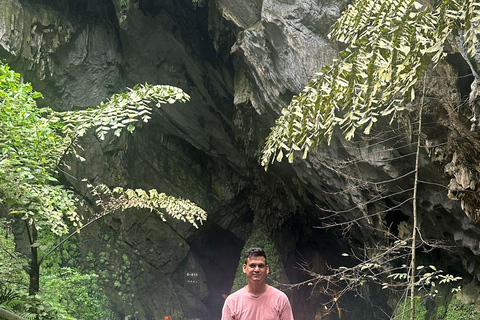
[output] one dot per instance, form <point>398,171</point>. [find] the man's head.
<point>255,267</point>
<point>255,252</point>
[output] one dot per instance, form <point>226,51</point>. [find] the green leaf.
<point>130,128</point>
<point>280,156</point>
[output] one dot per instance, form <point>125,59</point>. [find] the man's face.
<point>256,269</point>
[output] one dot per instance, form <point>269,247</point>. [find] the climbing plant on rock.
<point>389,45</point>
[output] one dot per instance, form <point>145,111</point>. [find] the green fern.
<point>29,316</point>
<point>10,300</point>
<point>7,296</point>
<point>390,44</point>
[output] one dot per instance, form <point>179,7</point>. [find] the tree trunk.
<point>415,189</point>
<point>34,285</point>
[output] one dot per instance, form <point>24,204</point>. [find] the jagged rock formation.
<point>241,62</point>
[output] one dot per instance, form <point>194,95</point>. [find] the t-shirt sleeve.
<point>227,313</point>
<point>286,311</point>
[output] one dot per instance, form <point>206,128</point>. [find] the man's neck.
<point>257,289</point>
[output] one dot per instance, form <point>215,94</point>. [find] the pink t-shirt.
<point>273,304</point>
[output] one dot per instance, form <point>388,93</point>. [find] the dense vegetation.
<point>35,144</point>
<point>67,291</point>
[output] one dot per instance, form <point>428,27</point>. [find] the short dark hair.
<point>255,252</point>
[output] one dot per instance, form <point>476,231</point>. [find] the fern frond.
<point>120,199</point>
<point>7,295</point>
<point>29,316</point>
<point>12,302</point>
<point>121,110</point>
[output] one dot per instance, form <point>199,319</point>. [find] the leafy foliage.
<point>123,199</point>
<point>12,264</point>
<point>8,298</point>
<point>30,149</point>
<point>458,310</point>
<point>120,111</point>
<point>403,310</point>
<point>13,280</point>
<point>74,295</point>
<point>66,293</point>
<point>427,278</point>
<point>454,310</point>
<point>390,44</point>
<point>33,143</point>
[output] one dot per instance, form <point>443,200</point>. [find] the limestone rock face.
<point>241,61</point>
<point>275,35</point>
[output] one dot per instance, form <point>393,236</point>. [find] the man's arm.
<point>227,313</point>
<point>286,312</point>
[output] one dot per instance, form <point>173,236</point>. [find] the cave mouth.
<point>394,217</point>
<point>218,252</point>
<point>465,76</point>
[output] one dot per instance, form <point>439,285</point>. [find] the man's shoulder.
<point>239,292</point>
<point>277,292</point>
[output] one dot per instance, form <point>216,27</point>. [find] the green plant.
<point>12,264</point>
<point>125,3</point>
<point>458,310</point>
<point>34,142</point>
<point>75,295</point>
<point>427,278</point>
<point>124,7</point>
<point>9,299</point>
<point>389,45</point>
<point>123,199</point>
<point>454,310</point>
<point>65,292</point>
<point>403,310</point>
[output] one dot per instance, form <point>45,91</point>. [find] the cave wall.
<point>241,62</point>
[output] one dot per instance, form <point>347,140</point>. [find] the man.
<point>257,300</point>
